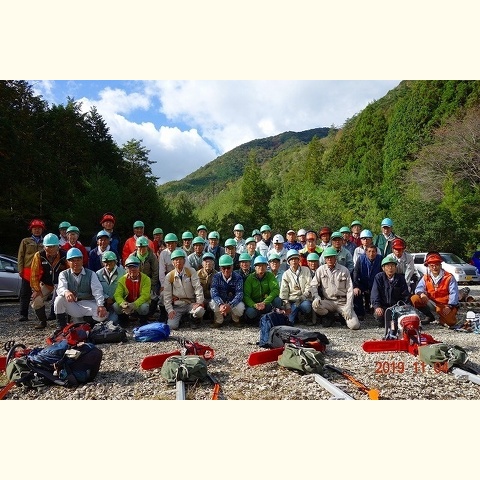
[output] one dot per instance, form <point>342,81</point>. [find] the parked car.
<point>10,281</point>
<point>459,268</point>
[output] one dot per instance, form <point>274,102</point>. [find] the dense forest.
<point>412,155</point>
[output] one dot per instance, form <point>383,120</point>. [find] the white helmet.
<point>278,238</point>
<point>302,231</point>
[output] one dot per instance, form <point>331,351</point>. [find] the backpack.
<point>187,368</point>
<point>301,359</point>
<point>152,332</point>
<point>267,321</point>
<point>72,332</point>
<point>280,335</point>
<point>107,332</point>
<point>442,356</point>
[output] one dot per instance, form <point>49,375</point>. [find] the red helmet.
<point>107,216</point>
<point>399,243</point>
<point>36,223</point>
<point>433,257</point>
<point>324,231</point>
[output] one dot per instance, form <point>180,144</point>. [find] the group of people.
<point>322,275</point>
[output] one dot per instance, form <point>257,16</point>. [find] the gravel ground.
<point>396,375</point>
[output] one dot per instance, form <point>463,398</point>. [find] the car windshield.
<point>451,258</point>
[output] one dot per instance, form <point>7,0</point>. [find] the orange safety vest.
<point>439,293</point>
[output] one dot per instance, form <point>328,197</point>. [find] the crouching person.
<point>79,293</point>
<point>132,294</point>
<point>182,293</point>
<point>332,290</point>
<point>109,276</point>
<point>227,293</point>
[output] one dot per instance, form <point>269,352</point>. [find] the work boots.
<point>61,320</point>
<point>42,316</point>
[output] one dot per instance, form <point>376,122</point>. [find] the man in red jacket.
<point>130,245</point>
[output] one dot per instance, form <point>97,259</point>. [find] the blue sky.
<point>186,124</point>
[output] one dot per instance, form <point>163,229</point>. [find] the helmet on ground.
<point>208,256</point>
<point>336,235</point>
<point>325,231</point>
<point>141,242</point>
<point>313,257</point>
<point>108,256</point>
<point>36,223</point>
<point>50,240</point>
<point>292,253</point>
<point>107,217</point>
<point>187,236</point>
<point>250,240</point>
<point>198,240</point>
<point>344,230</point>
<point>132,260</point>
<point>157,231</point>
<point>64,225</point>
<point>256,232</point>
<point>74,253</point>
<point>356,222</point>
<point>214,234</point>
<point>244,257</point>
<point>177,253</point>
<point>387,222</point>
<point>278,238</point>
<point>301,232</point>
<point>389,259</point>
<point>273,256</point>
<point>366,234</point>
<point>265,228</point>
<point>201,227</point>
<point>330,252</point>
<point>103,233</point>
<point>260,260</point>
<point>398,244</point>
<point>170,237</point>
<point>225,261</point>
<point>138,224</point>
<point>238,227</point>
<point>433,257</point>
<point>230,242</point>
<point>73,229</point>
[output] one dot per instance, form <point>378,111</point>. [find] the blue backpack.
<point>152,332</point>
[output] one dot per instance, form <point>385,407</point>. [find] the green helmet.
<point>225,261</point>
<point>344,230</point>
<point>255,232</point>
<point>356,222</point>
<point>265,228</point>
<point>132,260</point>
<point>273,256</point>
<point>141,242</point>
<point>187,236</point>
<point>250,240</point>
<point>73,229</point>
<point>208,255</point>
<point>170,237</point>
<point>74,253</point>
<point>238,227</point>
<point>330,252</point>
<point>336,235</point>
<point>230,242</point>
<point>197,240</point>
<point>50,240</point>
<point>177,253</point>
<point>244,257</point>
<point>138,224</point>
<point>157,231</point>
<point>313,257</point>
<point>214,234</point>
<point>108,256</point>
<point>64,225</point>
<point>201,227</point>
<point>292,253</point>
<point>389,259</point>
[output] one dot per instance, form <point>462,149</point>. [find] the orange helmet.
<point>433,257</point>
<point>325,230</point>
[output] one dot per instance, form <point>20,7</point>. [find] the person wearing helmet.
<point>79,293</point>
<point>214,247</point>
<point>332,291</point>
<point>405,263</point>
<point>347,243</point>
<point>295,289</point>
<point>62,233</point>
<point>109,276</point>
<point>46,266</point>
<point>311,247</point>
<point>73,233</point>
<point>367,266</point>
<point>202,232</point>
<point>187,238</point>
<point>205,275</point>
<point>251,248</point>
<point>246,265</point>
<point>437,291</point>
<point>292,243</point>
<point>265,244</point>
<point>344,257</point>
<point>183,293</point>
<point>356,228</point>
<point>131,243</point>
<point>389,288</point>
<point>107,222</point>
<point>103,245</point>
<point>324,234</point>
<point>26,251</point>
<point>238,234</point>
<point>301,237</point>
<point>313,262</point>
<point>132,295</point>
<point>260,291</point>
<point>196,257</point>
<point>165,264</point>
<point>384,239</point>
<point>256,235</point>
<point>280,250</point>
<point>274,265</point>
<point>227,293</point>
<point>366,238</point>
<point>158,242</point>
<point>231,250</point>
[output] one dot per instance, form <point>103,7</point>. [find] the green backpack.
<point>302,359</point>
<point>441,354</point>
<point>187,368</point>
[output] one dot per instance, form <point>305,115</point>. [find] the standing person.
<point>347,243</point>
<point>183,293</point>
<point>251,245</point>
<point>384,240</point>
<point>28,247</point>
<point>332,290</point>
<point>246,268</point>
<point>195,259</point>
<point>79,293</point>
<point>356,228</point>
<point>238,234</point>
<point>265,244</point>
<point>256,235</point>
<point>366,237</point>
<point>62,233</point>
<point>109,275</point>
<point>324,234</point>
<point>214,248</point>
<point>280,250</point>
<point>389,287</point>
<point>301,237</point>
<point>132,295</point>
<point>344,257</point>
<point>205,275</point>
<point>45,268</point>
<point>260,291</point>
<point>227,293</point>
<point>311,247</point>
<point>103,245</point>
<point>72,242</point>
<point>158,242</point>
<point>437,291</point>
<point>405,262</point>
<point>187,238</point>
<point>108,223</point>
<point>292,243</point>
<point>165,264</point>
<point>231,250</point>
<point>131,244</point>
<point>295,288</point>
<point>202,231</point>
